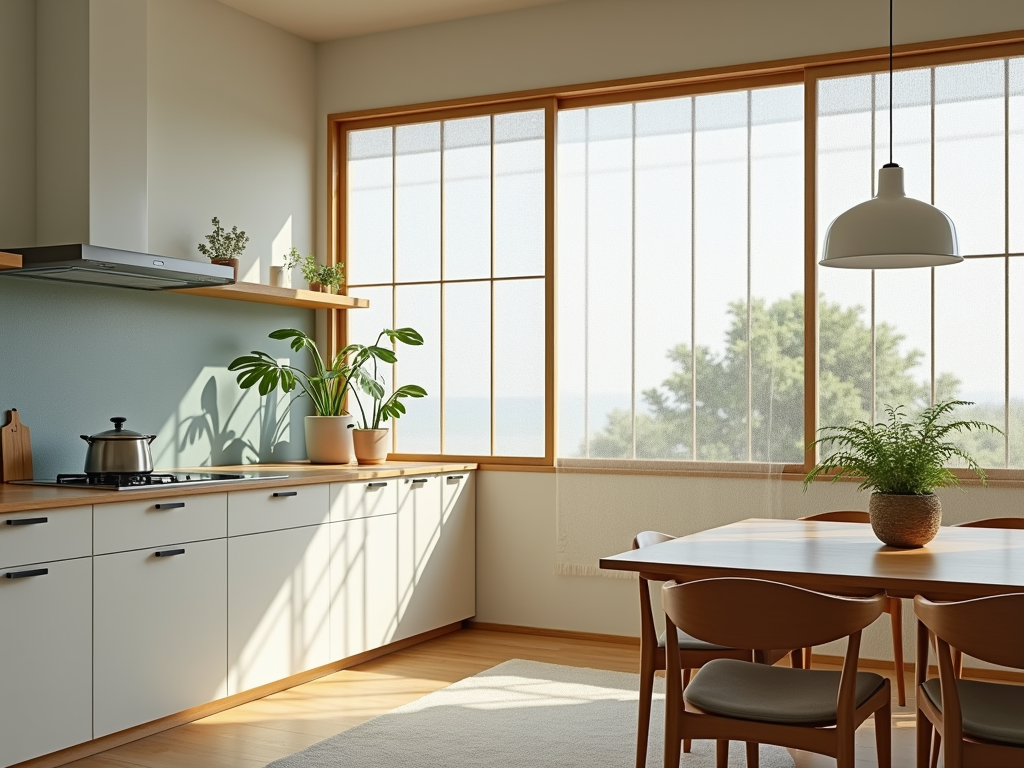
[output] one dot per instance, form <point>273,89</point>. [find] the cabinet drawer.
<point>45,658</point>
<point>366,498</point>
<point>129,525</point>
<point>49,534</point>
<point>274,509</point>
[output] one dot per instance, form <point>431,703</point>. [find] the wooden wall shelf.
<point>10,260</point>
<point>286,297</point>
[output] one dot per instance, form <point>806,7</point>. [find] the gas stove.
<point>129,482</point>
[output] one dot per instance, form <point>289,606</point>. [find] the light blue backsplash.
<point>73,356</point>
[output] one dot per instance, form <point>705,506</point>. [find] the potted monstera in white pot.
<point>901,461</point>
<point>329,432</point>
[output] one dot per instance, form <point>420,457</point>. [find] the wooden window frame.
<point>804,70</point>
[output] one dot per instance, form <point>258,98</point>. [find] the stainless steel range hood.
<point>96,265</point>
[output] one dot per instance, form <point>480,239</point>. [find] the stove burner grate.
<point>119,480</point>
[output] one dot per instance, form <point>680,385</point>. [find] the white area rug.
<point>521,713</point>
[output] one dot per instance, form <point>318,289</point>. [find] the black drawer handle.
<point>27,574</point>
<point>29,521</point>
<point>456,478</point>
<point>171,505</point>
<point>376,485</point>
<point>419,481</point>
<point>169,552</point>
<point>282,494</point>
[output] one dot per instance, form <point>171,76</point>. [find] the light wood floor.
<point>252,735</point>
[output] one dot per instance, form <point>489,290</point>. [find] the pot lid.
<point>119,432</point>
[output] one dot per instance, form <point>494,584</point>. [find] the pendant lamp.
<point>891,230</point>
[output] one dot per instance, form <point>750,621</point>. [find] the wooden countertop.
<point>23,498</point>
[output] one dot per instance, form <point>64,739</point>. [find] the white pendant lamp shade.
<point>891,231</point>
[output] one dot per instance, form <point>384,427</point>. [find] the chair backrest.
<point>648,632</point>
<point>755,614</point>
<point>995,522</point>
<point>844,516</point>
<point>987,628</point>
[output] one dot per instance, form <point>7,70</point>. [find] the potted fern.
<point>902,461</point>
<point>223,247</point>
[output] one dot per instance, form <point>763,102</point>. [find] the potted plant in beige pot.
<point>329,432</point>
<point>902,461</point>
<point>372,439</point>
<point>223,247</point>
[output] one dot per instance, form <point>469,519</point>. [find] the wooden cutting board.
<point>15,450</point>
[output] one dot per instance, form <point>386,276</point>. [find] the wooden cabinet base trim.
<point>569,635</point>
<point>104,743</point>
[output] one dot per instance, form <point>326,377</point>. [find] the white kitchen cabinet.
<point>45,535</point>
<point>274,509</point>
<point>45,658</point>
<point>159,632</point>
<point>132,524</point>
<point>364,498</point>
<point>278,604</point>
<point>364,584</point>
<point>436,552</point>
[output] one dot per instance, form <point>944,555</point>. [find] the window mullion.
<point>632,286</point>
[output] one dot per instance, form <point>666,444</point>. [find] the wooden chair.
<point>815,710</point>
<point>693,653</point>
<point>981,724</point>
<point>893,605</point>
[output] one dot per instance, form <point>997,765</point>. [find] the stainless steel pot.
<point>118,451</point>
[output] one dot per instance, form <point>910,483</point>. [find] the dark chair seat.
<point>767,694</point>
<point>689,643</point>
<point>992,712</point>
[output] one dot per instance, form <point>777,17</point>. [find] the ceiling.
<point>321,20</point>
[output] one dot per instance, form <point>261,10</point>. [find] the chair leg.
<point>686,682</point>
<point>721,754</point>
<point>807,658</point>
<point>883,735</point>
<point>796,658</point>
<point>643,726</point>
<point>936,750</point>
<point>924,740</point>
<point>896,618</point>
<point>753,755</point>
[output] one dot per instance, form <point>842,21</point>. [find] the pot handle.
<point>150,438</point>
<point>86,438</point>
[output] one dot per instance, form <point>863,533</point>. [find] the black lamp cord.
<point>890,164</point>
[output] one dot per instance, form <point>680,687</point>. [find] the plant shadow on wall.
<point>776,390</point>
<point>227,446</point>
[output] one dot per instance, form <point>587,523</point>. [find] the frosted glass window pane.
<point>1016,159</point>
<point>903,339</point>
<point>777,274</point>
<point>467,198</point>
<point>419,307</point>
<point>844,347</point>
<point>467,377</point>
<point>519,368</point>
<point>970,159</point>
<point>418,202</point>
<point>519,194</point>
<point>844,165</point>
<point>970,348</point>
<point>369,207</point>
<point>663,280</point>
<point>720,273</point>
<point>609,257</point>
<point>912,128</point>
<point>572,241</point>
<point>1015,428</point>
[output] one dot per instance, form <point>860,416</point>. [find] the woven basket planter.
<point>905,521</point>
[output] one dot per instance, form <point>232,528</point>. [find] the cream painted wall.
<point>231,131</point>
<point>18,126</point>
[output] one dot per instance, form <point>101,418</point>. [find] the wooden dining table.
<point>839,558</point>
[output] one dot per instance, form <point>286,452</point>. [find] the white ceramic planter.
<point>371,445</point>
<point>280,277</point>
<point>329,439</point>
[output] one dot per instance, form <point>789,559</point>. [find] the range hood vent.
<point>95,265</point>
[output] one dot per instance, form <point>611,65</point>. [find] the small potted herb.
<point>223,247</point>
<point>311,272</point>
<point>330,278</point>
<point>902,461</point>
<point>292,259</point>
